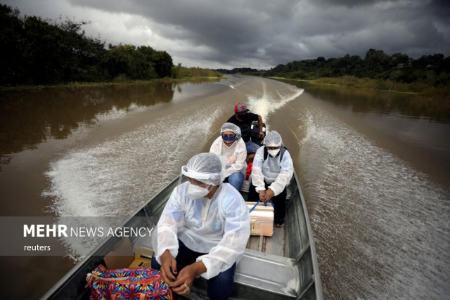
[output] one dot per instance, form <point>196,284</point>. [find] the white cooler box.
<point>261,219</point>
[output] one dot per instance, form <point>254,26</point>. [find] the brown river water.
<point>374,168</point>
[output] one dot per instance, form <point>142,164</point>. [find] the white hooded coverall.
<point>219,227</point>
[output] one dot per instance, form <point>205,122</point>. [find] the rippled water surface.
<point>375,172</point>
<point>374,168</point>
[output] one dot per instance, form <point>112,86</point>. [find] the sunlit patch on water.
<point>118,176</point>
<point>382,228</point>
<point>116,113</point>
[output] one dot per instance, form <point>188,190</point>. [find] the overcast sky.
<point>258,33</point>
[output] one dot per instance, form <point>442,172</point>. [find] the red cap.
<point>240,107</point>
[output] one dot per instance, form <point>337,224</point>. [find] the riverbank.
<point>109,83</point>
<point>375,84</point>
<point>432,106</point>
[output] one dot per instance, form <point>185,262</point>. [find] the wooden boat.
<point>283,266</point>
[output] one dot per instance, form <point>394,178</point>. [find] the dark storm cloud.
<point>263,33</point>
<point>233,30</point>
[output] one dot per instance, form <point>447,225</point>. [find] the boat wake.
<point>118,176</point>
<point>381,227</point>
<point>266,104</point>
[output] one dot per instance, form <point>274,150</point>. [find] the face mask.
<point>196,192</point>
<point>273,153</point>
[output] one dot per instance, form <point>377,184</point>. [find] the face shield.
<point>202,172</point>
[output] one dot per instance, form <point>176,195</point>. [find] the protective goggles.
<point>228,137</point>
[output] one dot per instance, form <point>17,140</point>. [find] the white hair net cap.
<point>273,139</point>
<point>231,127</point>
<point>204,167</point>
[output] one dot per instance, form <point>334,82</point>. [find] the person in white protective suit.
<point>203,230</point>
<point>272,171</point>
<point>232,150</point>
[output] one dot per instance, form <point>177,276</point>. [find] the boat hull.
<point>291,273</point>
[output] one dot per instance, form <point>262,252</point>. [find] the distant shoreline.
<point>373,84</point>
<point>85,84</point>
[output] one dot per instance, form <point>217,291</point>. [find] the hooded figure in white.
<point>271,173</point>
<point>274,170</point>
<point>209,217</point>
<point>230,147</point>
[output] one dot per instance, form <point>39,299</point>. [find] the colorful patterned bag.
<point>121,284</point>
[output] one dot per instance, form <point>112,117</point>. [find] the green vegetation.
<point>38,52</point>
<point>376,70</point>
<point>184,72</point>
<point>246,71</point>
<point>130,62</point>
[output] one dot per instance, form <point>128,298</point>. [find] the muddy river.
<point>374,168</point>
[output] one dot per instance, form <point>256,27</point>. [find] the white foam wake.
<point>266,104</point>
<point>382,227</point>
<point>118,176</point>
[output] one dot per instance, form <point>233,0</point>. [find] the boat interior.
<point>276,267</point>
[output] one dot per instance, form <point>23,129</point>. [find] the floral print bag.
<point>121,284</point>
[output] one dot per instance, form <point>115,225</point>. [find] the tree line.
<point>430,69</point>
<point>37,51</point>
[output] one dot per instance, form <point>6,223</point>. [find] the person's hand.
<point>262,196</point>
<point>269,194</point>
<point>168,267</point>
<point>185,279</point>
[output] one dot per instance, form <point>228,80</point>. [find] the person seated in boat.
<point>203,230</point>
<point>230,147</point>
<point>272,171</point>
<point>245,119</point>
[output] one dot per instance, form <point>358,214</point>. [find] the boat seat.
<point>274,245</point>
<point>272,273</point>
